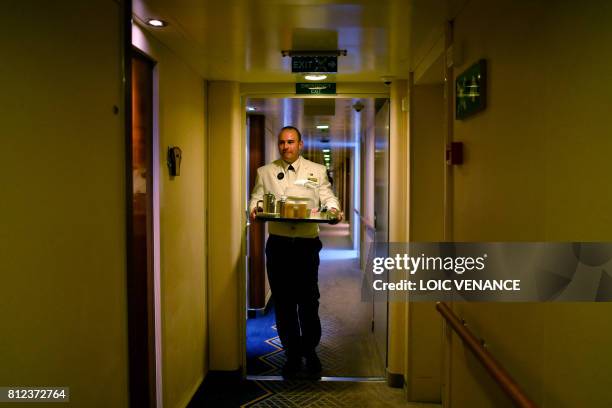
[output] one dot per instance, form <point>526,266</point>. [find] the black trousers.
<point>293,273</point>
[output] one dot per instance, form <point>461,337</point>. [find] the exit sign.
<point>314,64</point>
<point>316,88</point>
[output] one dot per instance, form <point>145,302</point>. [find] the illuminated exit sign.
<point>314,64</point>
<point>320,88</point>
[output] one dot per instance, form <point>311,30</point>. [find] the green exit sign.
<point>317,88</point>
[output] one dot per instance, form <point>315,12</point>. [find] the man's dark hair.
<point>292,128</point>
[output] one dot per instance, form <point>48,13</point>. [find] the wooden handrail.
<point>499,374</point>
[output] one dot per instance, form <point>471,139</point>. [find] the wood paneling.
<point>257,270</point>
<point>140,241</point>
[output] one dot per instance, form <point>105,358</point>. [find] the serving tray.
<point>277,218</point>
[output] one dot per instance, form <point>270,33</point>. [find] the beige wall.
<point>427,163</point>
<point>182,122</point>
<point>424,353</point>
<point>537,168</point>
<point>227,215</point>
<point>62,236</point>
<point>399,210</point>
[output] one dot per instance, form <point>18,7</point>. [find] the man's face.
<point>288,145</point>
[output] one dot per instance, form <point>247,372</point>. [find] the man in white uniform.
<point>292,252</point>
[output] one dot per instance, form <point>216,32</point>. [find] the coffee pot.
<point>268,204</point>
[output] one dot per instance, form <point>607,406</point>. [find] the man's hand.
<point>254,214</point>
<point>334,215</point>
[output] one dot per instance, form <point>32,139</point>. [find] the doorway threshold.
<point>331,379</point>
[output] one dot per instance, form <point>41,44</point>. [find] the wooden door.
<point>141,335</point>
<point>257,269</point>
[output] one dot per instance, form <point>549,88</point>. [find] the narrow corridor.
<point>447,121</point>
<point>347,348</point>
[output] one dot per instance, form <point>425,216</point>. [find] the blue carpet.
<point>261,339</point>
<point>228,389</point>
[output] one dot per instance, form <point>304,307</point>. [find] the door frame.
<point>281,91</point>
<point>150,334</point>
<point>449,92</point>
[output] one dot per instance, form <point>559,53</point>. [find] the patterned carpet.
<point>307,394</point>
<point>267,360</point>
<point>227,393</point>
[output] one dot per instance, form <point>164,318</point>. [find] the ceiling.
<point>241,40</point>
<point>307,114</point>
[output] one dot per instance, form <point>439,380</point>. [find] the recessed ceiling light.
<point>251,108</point>
<point>153,22</point>
<point>313,77</point>
<point>325,150</point>
<point>322,126</point>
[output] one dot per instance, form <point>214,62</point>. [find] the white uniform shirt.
<point>267,182</point>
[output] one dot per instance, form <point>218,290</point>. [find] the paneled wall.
<point>537,169</point>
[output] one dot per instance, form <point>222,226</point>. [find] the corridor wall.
<point>399,211</point>
<point>62,236</point>
<point>536,169</point>
<point>227,215</point>
<point>182,122</point>
<point>424,338</point>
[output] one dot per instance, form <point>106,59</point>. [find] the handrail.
<point>499,374</point>
<point>368,224</point>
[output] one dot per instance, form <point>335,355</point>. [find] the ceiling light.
<point>313,77</point>
<point>325,150</point>
<point>326,155</point>
<point>251,108</point>
<point>322,126</point>
<point>156,23</point>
